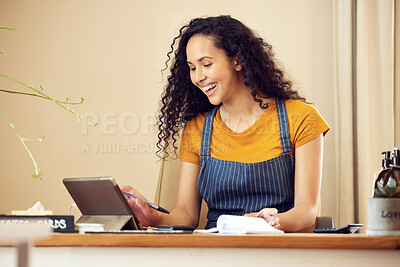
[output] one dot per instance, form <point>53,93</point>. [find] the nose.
<point>199,76</point>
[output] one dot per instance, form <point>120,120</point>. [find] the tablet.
<point>101,199</point>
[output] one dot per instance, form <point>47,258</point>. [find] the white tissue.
<point>36,210</point>
<point>37,206</point>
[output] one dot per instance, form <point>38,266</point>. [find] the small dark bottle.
<point>388,184</point>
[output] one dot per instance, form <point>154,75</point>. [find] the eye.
<point>207,65</point>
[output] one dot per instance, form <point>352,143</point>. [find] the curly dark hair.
<point>182,100</point>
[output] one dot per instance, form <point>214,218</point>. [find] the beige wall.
<point>111,53</point>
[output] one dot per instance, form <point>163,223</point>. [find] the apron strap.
<point>283,125</point>
<point>206,134</point>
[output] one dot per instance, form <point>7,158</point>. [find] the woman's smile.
<point>209,89</point>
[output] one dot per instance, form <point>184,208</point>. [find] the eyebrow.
<point>200,59</point>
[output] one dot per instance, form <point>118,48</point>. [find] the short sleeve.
<point>190,145</point>
<point>307,123</point>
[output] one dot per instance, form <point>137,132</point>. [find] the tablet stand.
<point>110,222</point>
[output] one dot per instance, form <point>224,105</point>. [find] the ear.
<point>238,65</point>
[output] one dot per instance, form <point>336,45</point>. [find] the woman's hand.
<point>269,215</point>
<point>146,215</point>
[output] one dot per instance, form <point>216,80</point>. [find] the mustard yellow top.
<point>259,142</point>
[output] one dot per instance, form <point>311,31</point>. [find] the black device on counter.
<point>176,227</point>
<point>347,229</point>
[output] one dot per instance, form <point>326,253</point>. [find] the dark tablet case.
<point>100,200</point>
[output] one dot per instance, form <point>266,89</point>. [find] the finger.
<point>253,214</point>
<point>272,211</point>
<point>141,203</point>
<point>126,196</point>
<point>131,201</point>
<point>132,191</point>
<point>139,207</point>
<point>267,212</point>
<point>277,225</point>
<point>126,188</point>
<point>274,221</point>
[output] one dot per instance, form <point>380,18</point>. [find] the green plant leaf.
<point>390,190</point>
<point>37,174</point>
<point>381,189</point>
<point>392,183</point>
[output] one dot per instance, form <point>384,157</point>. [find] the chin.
<point>215,102</point>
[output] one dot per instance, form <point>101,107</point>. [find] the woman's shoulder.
<point>305,120</point>
<point>298,105</point>
<point>300,108</point>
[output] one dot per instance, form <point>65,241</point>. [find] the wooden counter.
<point>326,241</point>
<point>65,250</point>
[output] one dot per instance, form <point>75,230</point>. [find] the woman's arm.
<point>188,204</point>
<point>308,172</point>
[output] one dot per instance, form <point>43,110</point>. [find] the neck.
<point>241,112</point>
<point>242,104</point>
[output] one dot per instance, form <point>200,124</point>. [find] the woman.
<point>245,129</point>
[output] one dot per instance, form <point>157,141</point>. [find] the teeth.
<point>209,87</point>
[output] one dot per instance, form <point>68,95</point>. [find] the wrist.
<point>159,219</point>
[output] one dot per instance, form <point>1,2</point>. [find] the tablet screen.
<point>98,196</point>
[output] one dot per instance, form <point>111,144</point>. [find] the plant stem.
<point>21,93</point>
<point>42,95</point>
<point>37,173</point>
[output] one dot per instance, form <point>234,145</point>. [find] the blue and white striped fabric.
<point>236,188</point>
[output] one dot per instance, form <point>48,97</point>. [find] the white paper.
<point>207,231</point>
<point>231,224</point>
<point>238,225</point>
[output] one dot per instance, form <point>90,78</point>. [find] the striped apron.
<point>236,188</point>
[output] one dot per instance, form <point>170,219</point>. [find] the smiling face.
<point>211,70</point>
